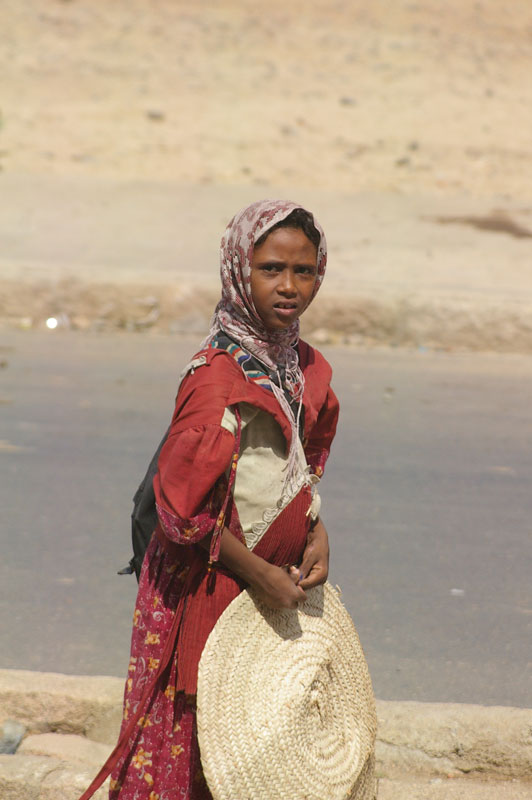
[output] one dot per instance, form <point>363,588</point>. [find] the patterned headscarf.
<point>236,313</point>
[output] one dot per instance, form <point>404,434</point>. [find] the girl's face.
<point>283,274</point>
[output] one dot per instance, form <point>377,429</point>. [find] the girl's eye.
<point>306,270</point>
<point>271,267</point>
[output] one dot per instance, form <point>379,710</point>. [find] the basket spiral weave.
<point>285,703</point>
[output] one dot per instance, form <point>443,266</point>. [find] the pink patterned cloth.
<point>162,761</point>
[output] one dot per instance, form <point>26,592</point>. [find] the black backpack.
<point>143,516</point>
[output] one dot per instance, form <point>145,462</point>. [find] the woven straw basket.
<point>285,703</point>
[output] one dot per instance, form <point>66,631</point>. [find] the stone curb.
<point>452,739</point>
<point>72,723</point>
<point>29,777</point>
<point>47,702</point>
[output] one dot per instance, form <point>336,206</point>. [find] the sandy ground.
<point>399,96</point>
<point>406,126</point>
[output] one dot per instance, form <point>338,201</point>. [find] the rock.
<point>107,309</point>
<point>155,115</point>
<point>453,789</point>
<point>40,778</point>
<point>12,734</point>
<point>191,323</point>
<point>48,702</point>
<point>321,336</point>
<point>21,776</point>
<point>147,321</point>
<point>453,739</point>
<point>147,302</point>
<point>416,739</point>
<point>80,322</point>
<point>66,747</point>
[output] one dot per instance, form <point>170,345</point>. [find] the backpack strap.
<point>199,360</point>
<point>216,539</point>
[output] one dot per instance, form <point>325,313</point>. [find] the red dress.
<point>179,598</point>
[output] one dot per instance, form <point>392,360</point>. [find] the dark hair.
<point>301,220</point>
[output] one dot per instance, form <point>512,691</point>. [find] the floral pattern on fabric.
<point>187,531</point>
<point>163,761</point>
<point>161,758</point>
<point>317,461</point>
<point>190,484</point>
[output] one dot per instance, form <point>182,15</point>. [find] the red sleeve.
<point>187,495</point>
<point>188,491</point>
<point>320,438</point>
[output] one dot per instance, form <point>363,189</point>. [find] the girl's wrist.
<point>258,572</point>
<point>317,530</point>
<point>313,523</point>
<point>245,564</point>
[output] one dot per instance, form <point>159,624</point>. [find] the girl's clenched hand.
<point>278,588</point>
<point>314,567</point>
<point>275,586</point>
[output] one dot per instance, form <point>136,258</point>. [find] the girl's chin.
<point>279,325</point>
<point>283,318</point>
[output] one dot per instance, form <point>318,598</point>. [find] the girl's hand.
<point>314,566</point>
<point>278,588</point>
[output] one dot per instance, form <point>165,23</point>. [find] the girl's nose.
<point>287,283</point>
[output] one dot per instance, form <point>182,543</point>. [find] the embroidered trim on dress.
<point>242,357</point>
<point>256,372</point>
<point>269,515</point>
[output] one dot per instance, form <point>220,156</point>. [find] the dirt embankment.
<point>361,321</point>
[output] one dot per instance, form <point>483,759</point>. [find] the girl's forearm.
<point>273,584</point>
<point>243,562</point>
<point>235,556</point>
<point>314,567</point>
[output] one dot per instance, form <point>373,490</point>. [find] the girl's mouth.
<point>284,310</point>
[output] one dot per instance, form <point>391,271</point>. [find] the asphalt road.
<point>427,499</point>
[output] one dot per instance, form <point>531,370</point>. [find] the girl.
<point>235,492</point>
